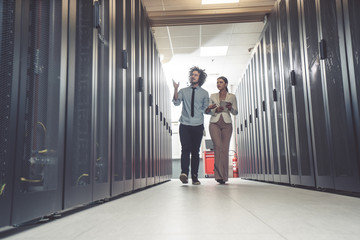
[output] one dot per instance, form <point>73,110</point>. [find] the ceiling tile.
<point>241,39</point>
<point>253,27</point>
<point>216,29</point>
<point>193,51</point>
<point>163,43</point>
<point>240,50</point>
<point>220,40</point>
<point>180,42</point>
<point>184,31</point>
<point>160,32</point>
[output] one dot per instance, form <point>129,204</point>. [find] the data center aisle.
<point>239,210</point>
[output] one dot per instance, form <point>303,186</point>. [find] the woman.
<point>221,105</point>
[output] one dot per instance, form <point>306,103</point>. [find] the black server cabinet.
<point>336,84</point>
<point>259,112</point>
<point>257,118</point>
<point>300,151</point>
<point>119,106</point>
<point>262,112</point>
<point>152,111</point>
<point>41,116</point>
<point>278,99</point>
<point>9,66</point>
<point>130,94</point>
<point>137,105</point>
<point>157,116</point>
<point>273,142</point>
<point>252,122</point>
<point>351,23</point>
<point>286,94</point>
<point>102,103</point>
<point>87,173</point>
<point>333,137</point>
<point>144,96</point>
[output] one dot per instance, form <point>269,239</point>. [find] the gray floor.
<point>239,210</point>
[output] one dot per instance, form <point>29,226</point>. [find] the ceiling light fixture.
<point>213,51</point>
<point>218,1</point>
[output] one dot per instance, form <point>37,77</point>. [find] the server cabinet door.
<point>337,98</point>
<point>145,99</point>
<point>273,142</point>
<point>79,147</point>
<point>151,136</point>
<point>119,128</point>
<point>262,111</point>
<point>8,103</point>
<point>278,99</point>
<point>137,105</point>
<point>129,94</point>
<point>287,99</point>
<point>320,138</point>
<point>40,136</point>
<point>297,86</point>
<point>352,20</point>
<point>102,107</point>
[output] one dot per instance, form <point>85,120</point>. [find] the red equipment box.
<point>209,159</point>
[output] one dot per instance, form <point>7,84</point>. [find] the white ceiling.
<point>181,27</point>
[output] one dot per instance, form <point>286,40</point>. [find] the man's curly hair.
<point>202,77</point>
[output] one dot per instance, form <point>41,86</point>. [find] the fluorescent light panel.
<point>213,51</point>
<point>218,1</point>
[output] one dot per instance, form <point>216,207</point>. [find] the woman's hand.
<point>219,109</point>
<point>212,106</point>
<point>229,106</point>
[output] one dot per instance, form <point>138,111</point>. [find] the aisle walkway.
<point>239,210</point>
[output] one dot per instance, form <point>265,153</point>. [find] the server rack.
<point>274,155</point>
<point>119,106</point>
<point>152,111</point>
<point>137,105</point>
<point>40,136</point>
<point>262,113</point>
<point>310,97</point>
<point>352,36</point>
<point>9,75</point>
<point>302,171</point>
<point>130,94</point>
<point>102,111</point>
<point>87,175</point>
<point>339,171</point>
<point>144,99</point>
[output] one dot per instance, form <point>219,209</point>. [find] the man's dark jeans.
<point>190,138</point>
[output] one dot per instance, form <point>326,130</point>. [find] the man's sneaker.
<point>195,180</point>
<point>184,178</point>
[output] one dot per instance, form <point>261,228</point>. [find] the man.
<point>195,101</point>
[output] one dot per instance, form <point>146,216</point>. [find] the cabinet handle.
<point>124,59</point>
<point>141,84</point>
<point>150,100</point>
<point>292,78</point>
<point>275,95</point>
<point>322,48</point>
<point>263,106</point>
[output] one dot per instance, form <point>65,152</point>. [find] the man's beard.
<point>193,83</point>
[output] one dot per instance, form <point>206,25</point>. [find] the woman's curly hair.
<point>202,77</point>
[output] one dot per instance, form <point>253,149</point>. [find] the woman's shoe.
<point>220,181</point>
